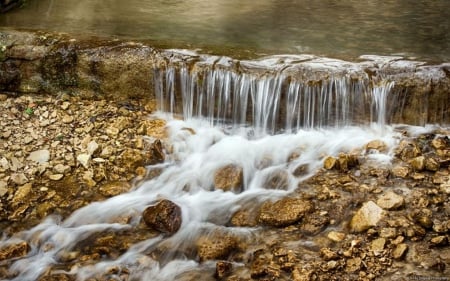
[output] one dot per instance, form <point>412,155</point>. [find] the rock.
<point>400,171</point>
<point>84,159</point>
<point>21,193</point>
<point>3,188</point>
<point>215,246</point>
<point>353,265</point>
<point>263,266</point>
<point>16,250</point>
<point>284,212</point>
<point>301,170</point>
<point>67,119</point>
<point>244,218</point>
<point>56,177</point>
<point>114,188</point>
<point>4,164</point>
<point>39,156</point>
<point>440,143</point>
<point>432,164</point>
<point>439,241</point>
<point>377,245</point>
<point>367,216</point>
<point>61,169</point>
<point>278,180</point>
<point>388,232</point>
<point>19,178</point>
<point>336,236</point>
<point>314,223</point>
<point>418,163</point>
<point>155,154</point>
<point>347,161</point>
<point>390,201</point>
<point>407,150</point>
<point>376,145</point>
<point>229,178</point>
<point>223,269</point>
<point>327,254</point>
<point>164,216</point>
<point>399,251</point>
<point>330,163</point>
<point>88,179</point>
<point>92,147</point>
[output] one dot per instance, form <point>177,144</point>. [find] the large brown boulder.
<point>229,178</point>
<point>165,216</point>
<point>284,212</point>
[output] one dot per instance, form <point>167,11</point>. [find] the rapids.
<point>187,180</point>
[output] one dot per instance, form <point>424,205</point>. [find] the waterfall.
<point>272,102</point>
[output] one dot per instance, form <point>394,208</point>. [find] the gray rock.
<point>39,156</point>
<point>19,178</point>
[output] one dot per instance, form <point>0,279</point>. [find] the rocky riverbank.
<point>353,220</point>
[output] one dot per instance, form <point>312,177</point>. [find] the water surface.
<point>346,28</point>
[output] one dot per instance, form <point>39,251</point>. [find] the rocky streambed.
<point>353,220</point>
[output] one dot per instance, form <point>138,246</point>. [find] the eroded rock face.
<point>284,212</point>
<point>229,178</point>
<point>165,216</point>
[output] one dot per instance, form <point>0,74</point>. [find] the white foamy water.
<point>187,180</point>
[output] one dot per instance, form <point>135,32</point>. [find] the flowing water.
<point>347,28</point>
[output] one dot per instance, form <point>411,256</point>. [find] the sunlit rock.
<point>284,212</point>
<point>330,163</point>
<point>390,200</point>
<point>164,216</point>
<point>400,171</point>
<point>15,250</point>
<point>376,145</point>
<point>216,245</point>
<point>367,216</point>
<point>39,156</point>
<point>407,150</point>
<point>399,251</point>
<point>418,163</point>
<point>229,178</point>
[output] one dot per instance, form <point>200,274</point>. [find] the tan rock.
<point>19,178</point>
<point>377,145</point>
<point>3,188</point>
<point>84,159</point>
<point>56,177</point>
<point>67,119</point>
<point>229,178</point>
<point>330,163</point>
<point>377,245</point>
<point>92,147</point>
<point>432,164</point>
<point>215,246</point>
<point>399,251</point>
<point>223,269</point>
<point>21,193</point>
<point>353,265</point>
<point>114,188</point>
<point>336,236</point>
<point>400,171</point>
<point>284,212</point>
<point>418,163</point>
<point>61,169</point>
<point>367,216</point>
<point>440,143</point>
<point>39,156</point>
<point>15,250</point>
<point>390,201</point>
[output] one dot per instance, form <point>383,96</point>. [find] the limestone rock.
<point>407,150</point>
<point>56,177</point>
<point>336,236</point>
<point>229,178</point>
<point>21,193</point>
<point>390,200</point>
<point>399,251</point>
<point>439,241</point>
<point>19,178</point>
<point>215,246</point>
<point>114,188</point>
<point>432,164</point>
<point>244,218</point>
<point>3,188</point>
<point>284,212</point>
<point>367,216</point>
<point>39,156</point>
<point>418,163</point>
<point>377,245</point>
<point>84,159</point>
<point>92,147</point>
<point>223,269</point>
<point>376,145</point>
<point>61,169</point>
<point>400,171</point>
<point>164,216</point>
<point>16,250</point>
<point>330,163</point>
<point>440,143</point>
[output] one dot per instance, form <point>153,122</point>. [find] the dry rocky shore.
<point>351,221</point>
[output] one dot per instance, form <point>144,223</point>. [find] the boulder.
<point>284,212</point>
<point>229,178</point>
<point>164,216</point>
<point>367,216</point>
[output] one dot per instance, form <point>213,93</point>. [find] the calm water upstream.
<point>346,28</point>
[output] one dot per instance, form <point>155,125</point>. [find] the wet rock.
<point>347,161</point>
<point>284,212</point>
<point>223,269</point>
<point>418,163</point>
<point>440,143</point>
<point>439,241</point>
<point>399,251</point>
<point>314,223</point>
<point>21,193</point>
<point>216,245</point>
<point>244,218</point>
<point>229,178</point>
<point>390,201</point>
<point>39,156</point>
<point>407,150</point>
<point>377,245</point>
<point>353,265</point>
<point>377,145</point>
<point>61,169</point>
<point>330,163</point>
<point>400,171</point>
<point>336,236</point>
<point>432,164</point>
<point>263,267</point>
<point>367,216</point>
<point>278,180</point>
<point>16,250</point>
<point>424,218</point>
<point>301,170</point>
<point>164,216</point>
<point>114,188</point>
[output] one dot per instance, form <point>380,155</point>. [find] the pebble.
<point>390,201</point>
<point>56,177</point>
<point>399,251</point>
<point>83,159</point>
<point>39,156</point>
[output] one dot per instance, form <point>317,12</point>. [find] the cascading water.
<point>206,98</point>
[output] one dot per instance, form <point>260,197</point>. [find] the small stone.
<point>4,164</point>
<point>390,201</point>
<point>377,245</point>
<point>88,179</point>
<point>353,265</point>
<point>330,163</point>
<point>418,163</point>
<point>61,169</point>
<point>400,171</point>
<point>439,241</point>
<point>164,216</point>
<point>367,216</point>
<point>19,178</point>
<point>112,131</point>
<point>16,250</point>
<point>229,178</point>
<point>21,193</point>
<point>56,177</point>
<point>3,188</point>
<point>27,140</point>
<point>336,236</point>
<point>6,134</point>
<point>388,232</point>
<point>107,152</point>
<point>223,269</point>
<point>39,156</point>
<point>284,212</point>
<point>376,145</point>
<point>92,147</point>
<point>67,119</point>
<point>439,143</point>
<point>327,254</point>
<point>399,251</point>
<point>65,105</point>
<point>84,159</point>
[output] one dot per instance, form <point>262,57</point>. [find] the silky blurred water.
<point>346,28</point>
